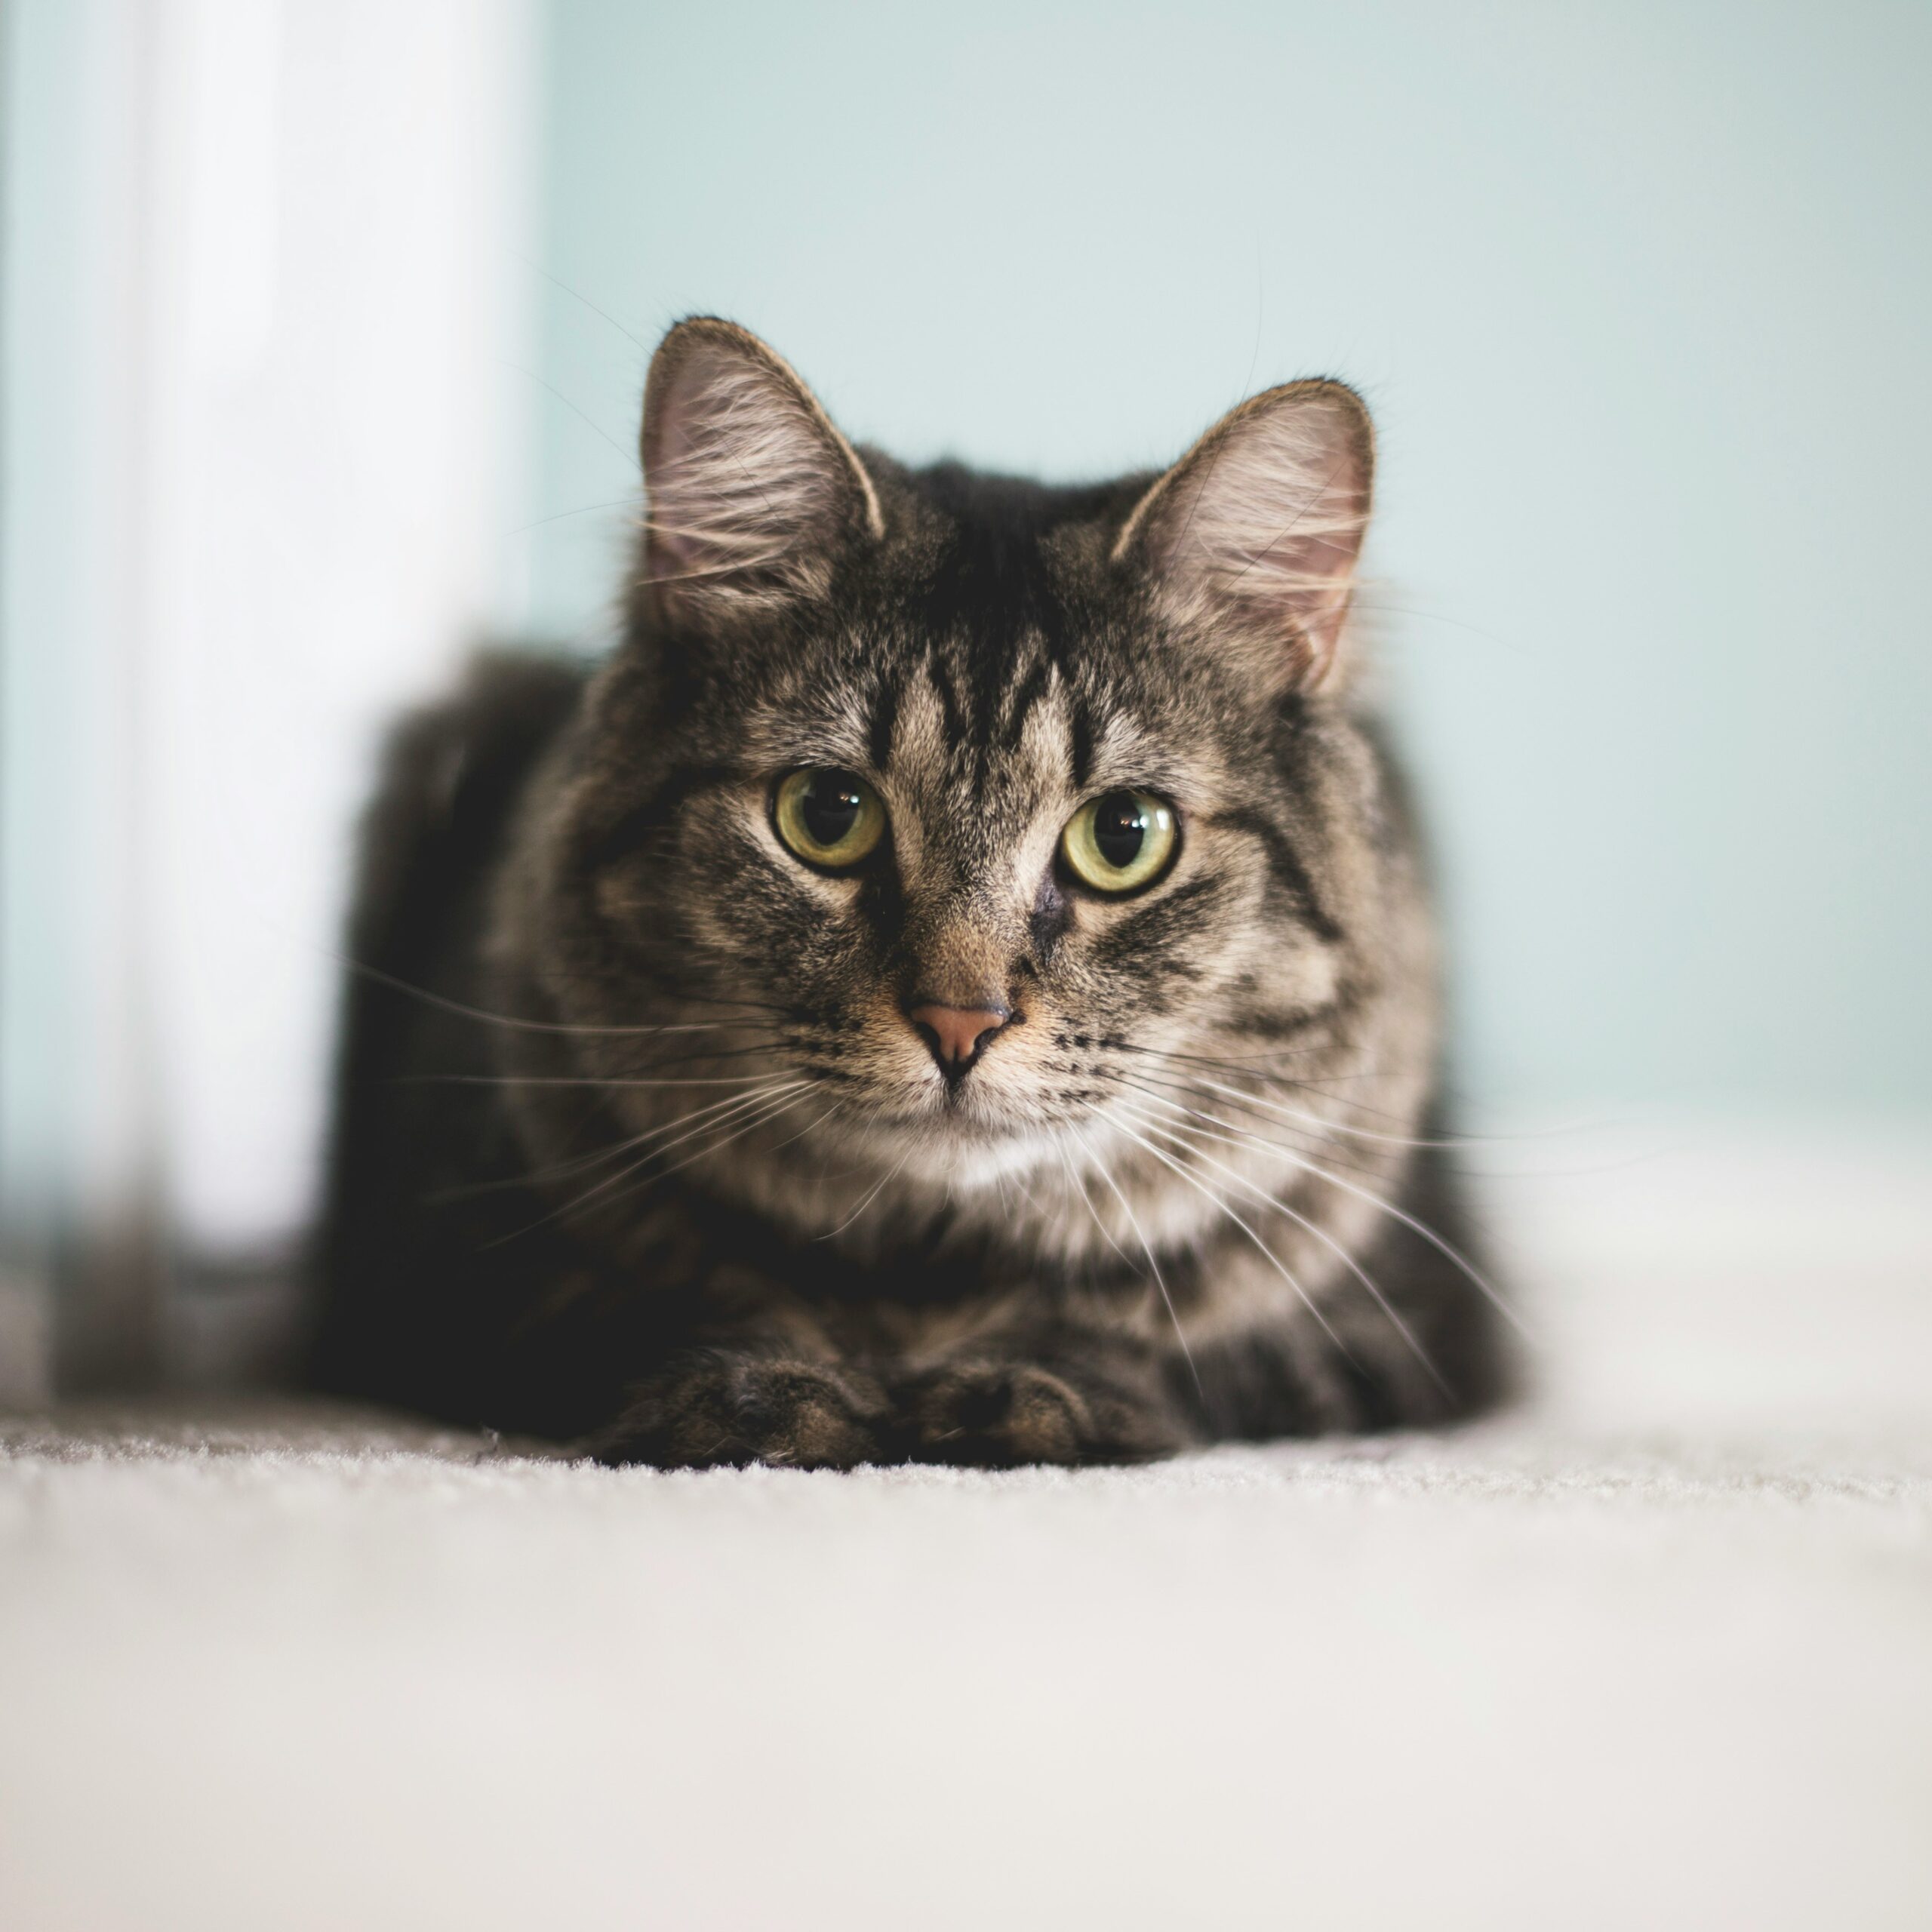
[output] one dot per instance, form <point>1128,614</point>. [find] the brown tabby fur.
<point>637,1145</point>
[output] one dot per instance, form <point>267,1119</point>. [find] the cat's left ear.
<point>1253,537</point>
<point>752,491</point>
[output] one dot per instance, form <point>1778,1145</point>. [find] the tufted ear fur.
<point>1253,537</point>
<point>752,490</point>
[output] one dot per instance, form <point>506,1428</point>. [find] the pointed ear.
<point>751,492</point>
<point>1253,535</point>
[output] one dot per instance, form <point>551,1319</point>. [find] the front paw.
<point>715,1408</point>
<point>997,1414</point>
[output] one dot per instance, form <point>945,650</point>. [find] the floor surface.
<point>1655,1650</point>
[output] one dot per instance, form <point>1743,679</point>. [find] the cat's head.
<point>953,813</point>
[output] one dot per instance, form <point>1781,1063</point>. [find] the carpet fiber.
<point>1655,1650</point>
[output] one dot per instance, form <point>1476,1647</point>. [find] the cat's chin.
<point>961,1149</point>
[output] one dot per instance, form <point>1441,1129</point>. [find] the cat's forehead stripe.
<point>932,713</point>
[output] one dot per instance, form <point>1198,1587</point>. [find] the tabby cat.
<point>956,984</point>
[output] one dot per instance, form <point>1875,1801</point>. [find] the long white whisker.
<point>1151,1086</point>
<point>1146,1248</point>
<point>878,1187</point>
<point>586,1080</point>
<point>598,1155</point>
<point>1079,1186</point>
<point>1445,1248</point>
<point>469,1012</point>
<point>1321,1234</point>
<point>819,1121</point>
<point>750,1102</point>
<point>1267,1252</point>
<point>1328,1126</point>
<point>771,1113</point>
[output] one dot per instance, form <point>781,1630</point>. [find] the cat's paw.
<point>715,1408</point>
<point>996,1414</point>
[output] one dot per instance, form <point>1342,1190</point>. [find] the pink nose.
<point>955,1034</point>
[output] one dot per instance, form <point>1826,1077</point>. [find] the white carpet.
<point>1656,1651</point>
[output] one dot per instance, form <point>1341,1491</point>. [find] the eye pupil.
<point>1120,842</point>
<point>830,806</point>
<point>828,816</point>
<point>1120,829</point>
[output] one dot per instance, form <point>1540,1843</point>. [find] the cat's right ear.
<point>752,491</point>
<point>1251,539</point>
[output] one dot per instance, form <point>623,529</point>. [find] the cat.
<point>956,984</point>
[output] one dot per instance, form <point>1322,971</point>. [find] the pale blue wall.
<point>1640,295</point>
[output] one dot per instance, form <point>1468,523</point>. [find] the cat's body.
<point>761,1054</point>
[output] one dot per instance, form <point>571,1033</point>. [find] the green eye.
<point>828,817</point>
<point>1120,842</point>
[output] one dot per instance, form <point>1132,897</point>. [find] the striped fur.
<point>636,1142</point>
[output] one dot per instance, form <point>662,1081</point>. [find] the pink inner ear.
<point>728,467</point>
<point>745,481</point>
<point>670,450</point>
<point>1261,525</point>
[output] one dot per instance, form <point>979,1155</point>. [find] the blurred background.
<point>324,327</point>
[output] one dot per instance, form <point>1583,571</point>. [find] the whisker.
<point>1444,1247</point>
<point>577,295</point>
<point>884,1181</point>
<point>1241,1066</point>
<point>750,1102</point>
<point>1153,1092</point>
<point>1267,1252</point>
<point>582,415</point>
<point>1221,1062</point>
<point>581,1163</point>
<point>1146,1247</point>
<point>1342,1127</point>
<point>704,1153</point>
<point>1321,1234</point>
<point>582,509</point>
<point>468,1012</point>
<point>570,1080</point>
<point>810,1124</point>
